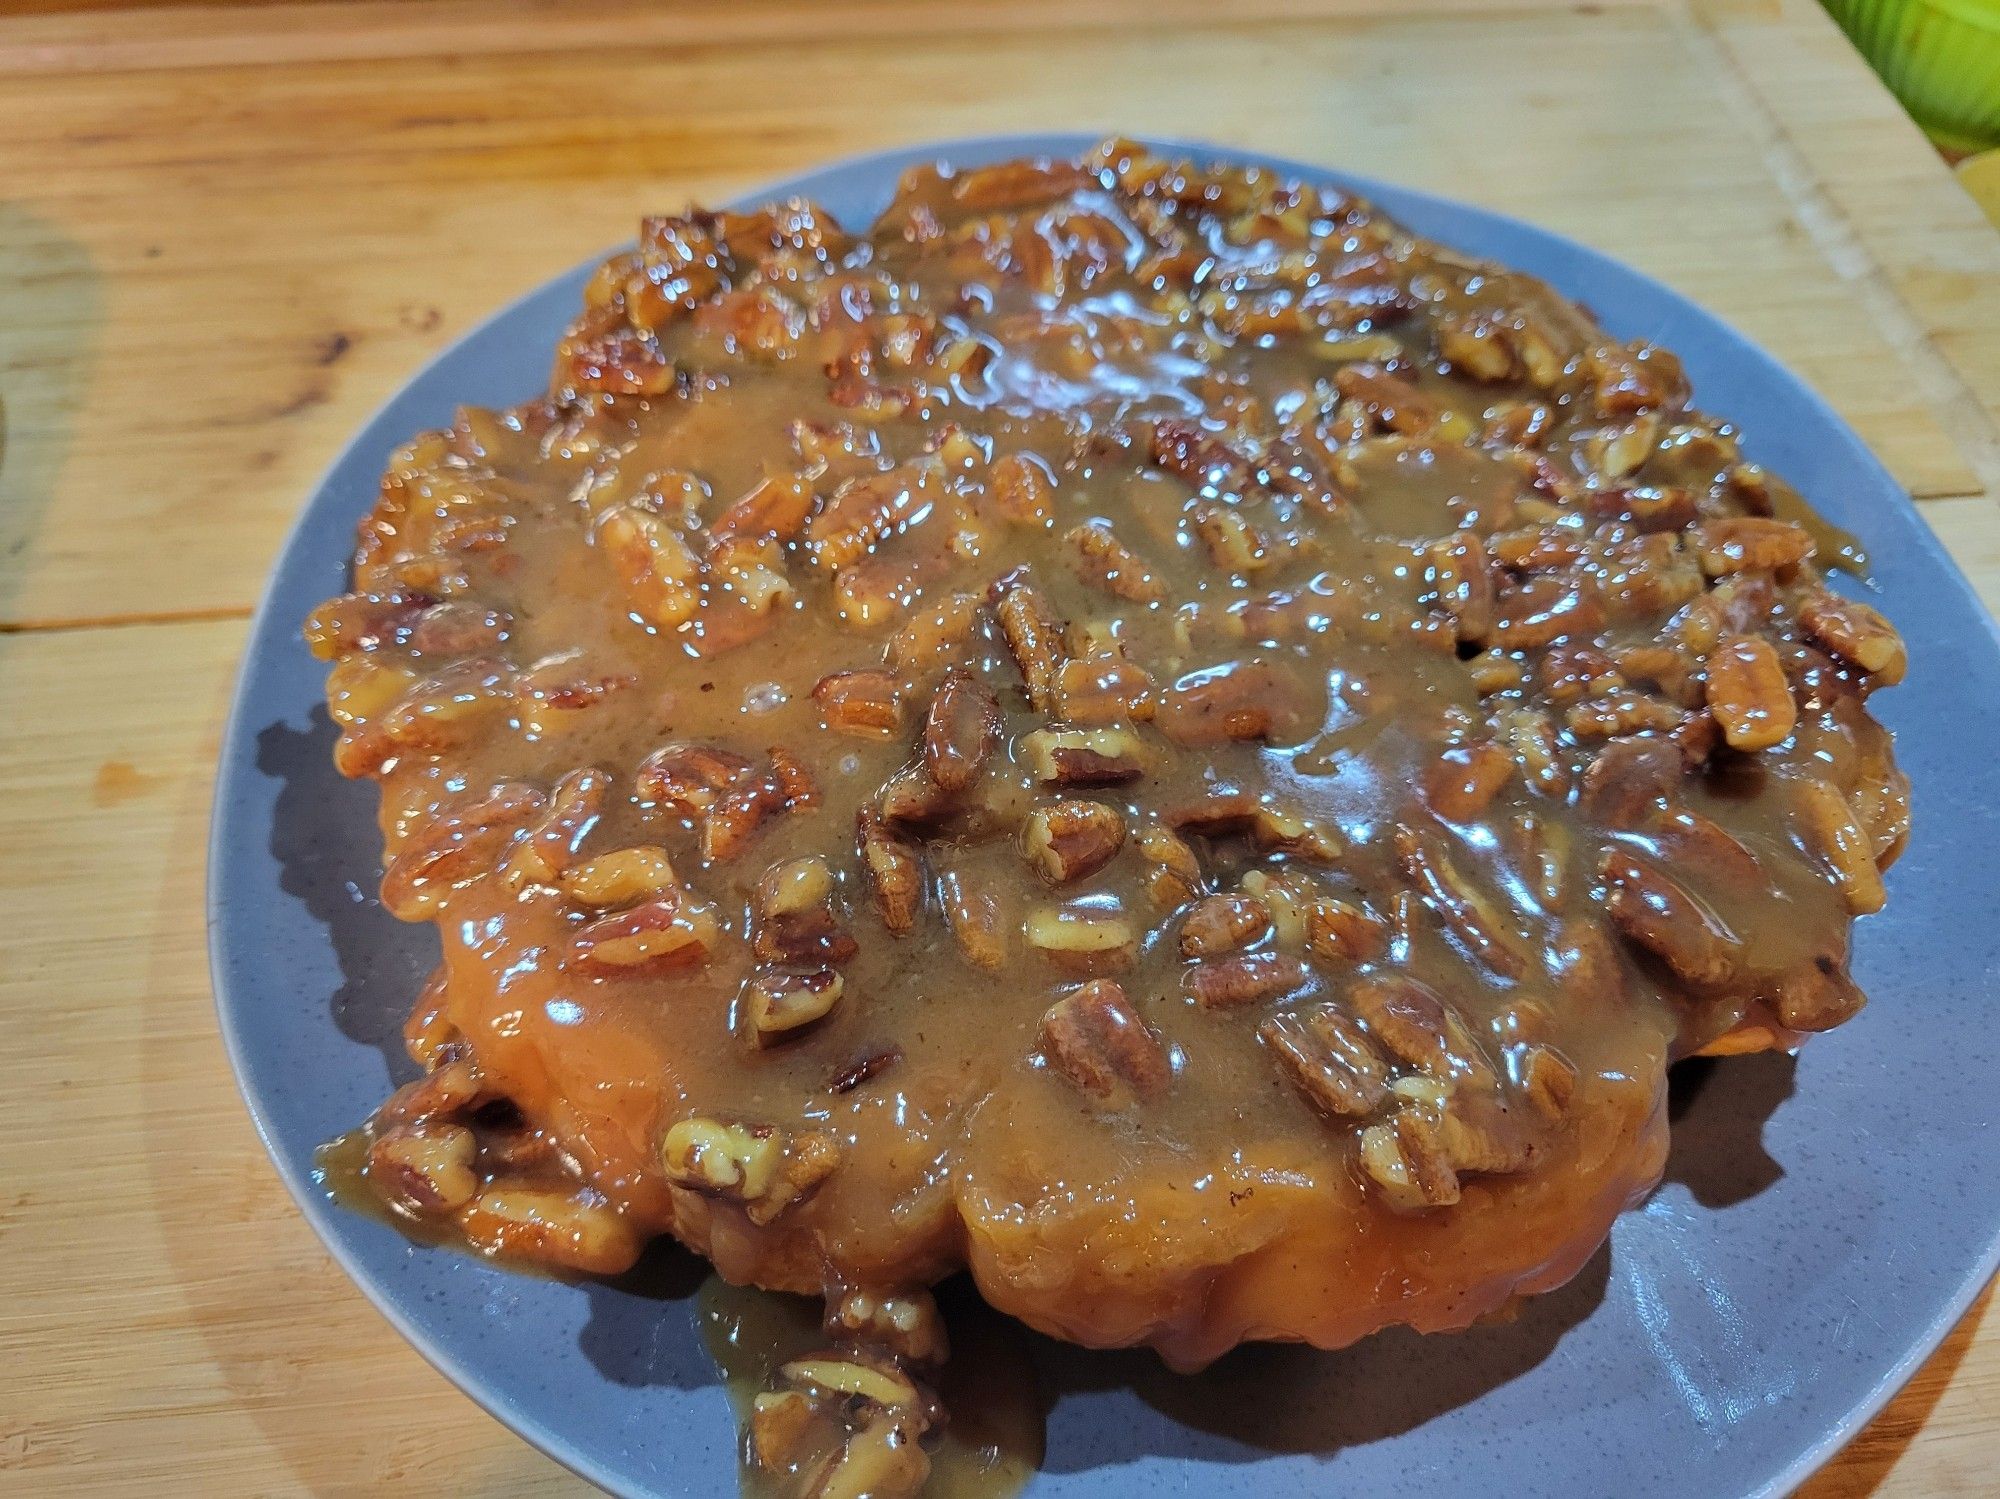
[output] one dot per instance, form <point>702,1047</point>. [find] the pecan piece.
<point>863,512</point>
<point>1082,941</point>
<point>1464,780</point>
<point>426,1167</point>
<point>1035,637</point>
<point>663,932</point>
<point>1748,694</point>
<point>1464,910</point>
<point>1023,490</point>
<point>1393,403</point>
<point>686,779</point>
<point>1173,874</point>
<point>1104,561</point>
<point>1067,840</point>
<point>1096,1040</point>
<point>1083,757</point>
<point>1828,829</point>
<point>960,730</point>
<point>1407,1160</point>
<point>976,919</point>
<point>1461,580</point>
<point>759,1166</point>
<point>1245,978</point>
<point>1656,914</point>
<point>456,848</point>
<point>1857,634</point>
<point>1750,543</point>
<point>1221,924</point>
<point>1329,1059</point>
<point>1239,700</point>
<point>895,871</point>
<point>862,703</point>
<point>1413,1022</point>
<point>662,575</point>
<point>623,877</point>
<point>779,1004</point>
<point>907,1323</point>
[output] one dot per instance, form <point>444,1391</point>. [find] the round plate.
<point>1822,1224</point>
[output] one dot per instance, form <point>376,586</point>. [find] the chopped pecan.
<point>623,877</point>
<point>1329,1059</point>
<point>1023,490</point>
<point>1622,453</point>
<point>1407,1160</point>
<point>1239,700</point>
<point>1857,634</point>
<point>859,1071</point>
<point>1067,840</point>
<point>1415,1023</point>
<point>425,1167</point>
<point>1035,637</point>
<point>456,848</point>
<point>1547,1080</point>
<point>974,913</point>
<point>1748,694</point>
<point>1083,757</point>
<point>666,931</point>
<point>1101,559</point>
<point>906,1323</point>
<point>895,871</point>
<point>1461,580</point>
<point>1105,688</point>
<point>1336,930</point>
<point>863,703</point>
<point>1392,403</point>
<point>775,507</point>
<point>1096,1040</point>
<point>1083,941</point>
<point>1465,911</point>
<point>686,779</point>
<point>960,730</point>
<point>1220,924</point>
<point>778,1004</point>
<point>1751,543</point>
<point>553,843</point>
<point>1657,914</point>
<point>661,572</point>
<point>1173,874</point>
<point>1828,829</point>
<point>1183,448</point>
<point>759,1166</point>
<point>863,512</point>
<point>1245,978</point>
<point>1463,782</point>
<point>1234,545</point>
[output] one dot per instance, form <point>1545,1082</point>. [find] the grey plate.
<point>1822,1225</point>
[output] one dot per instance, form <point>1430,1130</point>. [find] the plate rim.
<point>325,1218</point>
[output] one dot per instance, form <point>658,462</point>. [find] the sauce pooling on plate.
<point>1133,728</point>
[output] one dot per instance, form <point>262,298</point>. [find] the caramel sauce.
<point>992,1444</point>
<point>1276,736</point>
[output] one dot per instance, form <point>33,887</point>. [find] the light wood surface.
<point>227,233</point>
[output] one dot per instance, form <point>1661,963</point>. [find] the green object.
<point>1942,59</point>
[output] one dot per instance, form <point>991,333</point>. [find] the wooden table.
<point>227,233</point>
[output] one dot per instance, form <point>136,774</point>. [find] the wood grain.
<point>226,232</point>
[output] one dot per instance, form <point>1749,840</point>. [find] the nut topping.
<point>1096,1040</point>
<point>960,730</point>
<point>1067,840</point>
